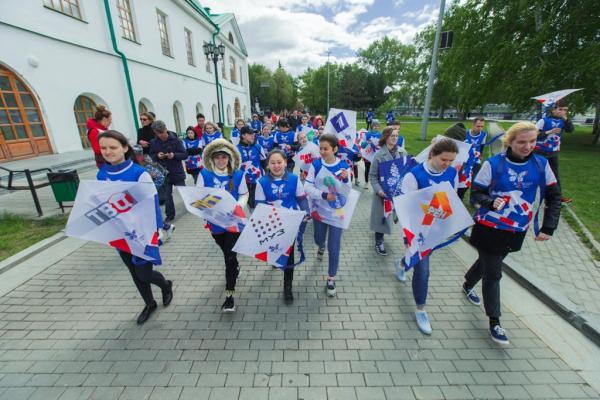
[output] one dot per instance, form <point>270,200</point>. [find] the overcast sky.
<point>300,32</point>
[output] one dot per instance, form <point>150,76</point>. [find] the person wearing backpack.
<point>504,192</point>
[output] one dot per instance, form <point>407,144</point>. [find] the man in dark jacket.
<point>168,151</point>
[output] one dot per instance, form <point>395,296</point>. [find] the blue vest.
<point>550,143</point>
<point>335,170</point>
<point>518,185</point>
<point>206,138</point>
<point>230,183</point>
<point>256,125</point>
<point>251,154</point>
<point>235,133</point>
<point>286,138</point>
<point>477,143</point>
<point>127,171</point>
<point>266,143</point>
<point>280,191</point>
<point>193,161</point>
<point>425,179</point>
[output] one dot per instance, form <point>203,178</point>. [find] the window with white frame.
<point>189,46</point>
<point>164,33</point>
<point>68,7</point>
<point>232,70</point>
<point>126,18</point>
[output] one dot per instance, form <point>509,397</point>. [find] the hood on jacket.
<point>216,146</point>
<point>92,123</point>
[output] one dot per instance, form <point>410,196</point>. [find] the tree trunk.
<point>596,125</point>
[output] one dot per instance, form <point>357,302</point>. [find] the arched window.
<point>22,131</point>
<point>177,118</point>
<point>223,70</point>
<point>241,77</point>
<point>84,109</point>
<point>215,116</point>
<point>199,108</point>
<point>229,120</point>
<point>230,37</point>
<point>142,107</point>
<point>232,70</point>
<point>237,108</point>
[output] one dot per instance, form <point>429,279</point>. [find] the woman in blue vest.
<point>192,145</point>
<point>437,169</point>
<point>221,170</point>
<point>116,152</point>
<point>251,153</point>
<point>504,192</point>
<point>281,188</point>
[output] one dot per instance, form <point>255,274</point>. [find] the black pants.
<point>355,169</point>
<point>367,169</point>
<point>143,276</point>
<point>553,162</point>
<point>251,193</point>
<point>169,203</point>
<point>288,272</point>
<point>226,241</point>
<point>487,268</point>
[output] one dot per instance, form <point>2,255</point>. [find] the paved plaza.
<point>68,331</point>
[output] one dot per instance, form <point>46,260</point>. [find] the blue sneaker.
<point>498,334</point>
<point>471,295</point>
<point>400,271</point>
<point>423,321</point>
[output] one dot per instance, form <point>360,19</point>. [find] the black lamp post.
<point>215,53</point>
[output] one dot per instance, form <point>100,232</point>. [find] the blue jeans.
<point>420,281</point>
<point>334,241</point>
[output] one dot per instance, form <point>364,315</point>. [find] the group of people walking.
<point>260,169</point>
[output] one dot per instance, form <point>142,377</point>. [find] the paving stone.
<point>72,327</point>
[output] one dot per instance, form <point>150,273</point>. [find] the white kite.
<point>117,213</point>
<point>337,212</point>
<point>342,123</point>
<point>387,90</point>
<point>461,157</point>
<point>549,99</point>
<point>428,218</point>
<point>270,233</point>
<point>305,156</point>
<point>215,205</point>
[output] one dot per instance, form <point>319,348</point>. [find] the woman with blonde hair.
<point>504,192</point>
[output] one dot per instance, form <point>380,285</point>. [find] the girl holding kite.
<point>381,205</point>
<point>328,146</point>
<point>222,170</point>
<point>437,169</point>
<point>116,152</point>
<point>504,192</point>
<point>281,188</point>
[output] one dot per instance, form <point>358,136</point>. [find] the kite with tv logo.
<point>342,123</point>
<point>270,234</point>
<point>215,205</point>
<point>431,218</point>
<point>116,213</point>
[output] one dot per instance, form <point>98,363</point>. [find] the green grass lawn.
<point>18,233</point>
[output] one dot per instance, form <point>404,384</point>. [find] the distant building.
<point>57,61</point>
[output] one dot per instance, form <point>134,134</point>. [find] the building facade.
<point>58,60</point>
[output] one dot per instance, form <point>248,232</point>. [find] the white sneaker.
<point>400,271</point>
<point>169,232</point>
<point>331,288</point>
<point>423,321</point>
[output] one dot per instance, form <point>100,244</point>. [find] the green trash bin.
<point>64,184</point>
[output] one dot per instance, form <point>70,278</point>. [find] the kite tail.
<point>416,258</point>
<point>300,244</point>
<point>494,139</point>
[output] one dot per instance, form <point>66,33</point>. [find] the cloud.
<point>298,33</point>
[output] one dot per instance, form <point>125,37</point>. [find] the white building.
<point>57,60</point>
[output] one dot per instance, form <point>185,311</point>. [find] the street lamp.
<point>216,53</point>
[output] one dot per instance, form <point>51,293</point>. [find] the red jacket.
<point>198,131</point>
<point>94,129</point>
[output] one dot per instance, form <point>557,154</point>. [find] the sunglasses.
<point>143,119</point>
